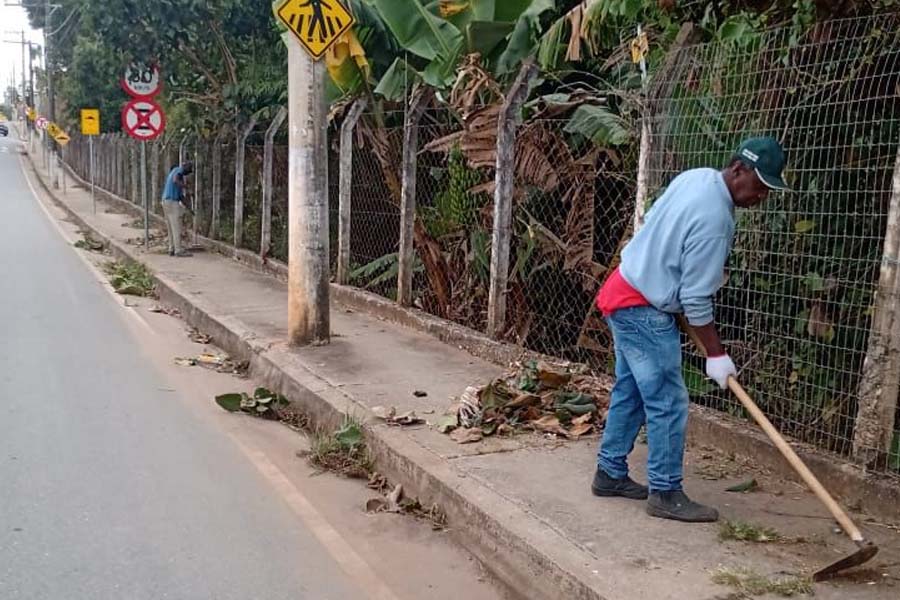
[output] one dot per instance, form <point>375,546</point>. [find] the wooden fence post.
<point>197,200</point>
<point>880,383</point>
<point>134,154</point>
<point>510,116</point>
<point>154,176</point>
<point>110,149</point>
<point>420,98</point>
<point>121,149</point>
<point>216,183</point>
<point>643,173</point>
<point>346,191</point>
<point>103,161</point>
<point>124,185</point>
<point>265,237</point>
<point>240,153</point>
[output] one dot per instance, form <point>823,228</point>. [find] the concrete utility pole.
<point>23,43</point>
<point>308,256</point>
<point>48,68</point>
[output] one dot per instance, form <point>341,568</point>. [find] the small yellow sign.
<point>90,121</point>
<point>31,114</point>
<point>316,24</point>
<point>62,139</point>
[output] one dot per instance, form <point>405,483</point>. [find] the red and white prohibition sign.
<point>143,119</point>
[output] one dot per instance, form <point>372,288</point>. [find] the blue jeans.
<point>649,387</point>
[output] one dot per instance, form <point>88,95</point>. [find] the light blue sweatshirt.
<point>677,259</point>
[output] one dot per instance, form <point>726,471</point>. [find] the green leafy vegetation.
<point>89,243</point>
<point>262,403</point>
<point>130,278</point>
<point>341,451</point>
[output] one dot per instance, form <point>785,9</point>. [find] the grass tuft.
<point>747,532</point>
<point>750,583</point>
<point>342,451</point>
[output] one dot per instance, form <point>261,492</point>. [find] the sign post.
<point>144,195</point>
<point>143,120</point>
<point>90,126</point>
<point>312,27</point>
<point>56,133</point>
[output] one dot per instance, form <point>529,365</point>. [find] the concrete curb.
<point>853,485</point>
<point>530,558</point>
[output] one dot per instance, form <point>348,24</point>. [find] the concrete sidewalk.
<point>521,505</point>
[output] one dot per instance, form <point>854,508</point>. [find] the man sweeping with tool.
<point>174,205</point>
<point>674,264</point>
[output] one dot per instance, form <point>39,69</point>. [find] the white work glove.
<point>719,368</point>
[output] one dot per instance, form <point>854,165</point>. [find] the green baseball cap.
<point>765,156</point>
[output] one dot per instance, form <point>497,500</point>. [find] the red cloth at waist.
<point>616,294</point>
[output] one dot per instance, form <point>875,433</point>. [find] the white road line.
<point>339,549</point>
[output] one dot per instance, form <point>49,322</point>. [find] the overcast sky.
<point>13,20</point>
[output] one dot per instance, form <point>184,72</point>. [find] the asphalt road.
<point>109,490</point>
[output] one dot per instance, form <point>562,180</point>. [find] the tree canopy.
<point>224,59</point>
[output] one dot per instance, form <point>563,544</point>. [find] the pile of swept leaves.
<point>537,396</point>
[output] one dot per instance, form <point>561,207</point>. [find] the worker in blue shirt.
<point>674,264</point>
<point>174,207</point>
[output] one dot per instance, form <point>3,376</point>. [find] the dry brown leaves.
<point>393,500</point>
<point>390,416</point>
<point>550,399</point>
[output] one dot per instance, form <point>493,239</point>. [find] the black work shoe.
<point>677,506</point>
<point>604,485</point>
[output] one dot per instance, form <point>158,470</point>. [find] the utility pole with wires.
<point>23,43</point>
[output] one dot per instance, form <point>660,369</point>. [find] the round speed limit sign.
<point>141,81</point>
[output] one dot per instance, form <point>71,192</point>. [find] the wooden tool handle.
<point>763,421</point>
<point>811,480</point>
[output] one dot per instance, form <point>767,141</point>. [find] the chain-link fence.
<point>375,206</point>
<point>573,207</point>
<point>797,308</point>
<point>455,219</point>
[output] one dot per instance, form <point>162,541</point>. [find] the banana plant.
<point>435,35</point>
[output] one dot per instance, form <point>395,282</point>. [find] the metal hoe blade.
<point>867,551</point>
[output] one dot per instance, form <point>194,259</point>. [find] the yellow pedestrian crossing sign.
<point>56,132</point>
<point>316,24</point>
<point>90,121</point>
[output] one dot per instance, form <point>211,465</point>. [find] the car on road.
<point>4,130</point>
